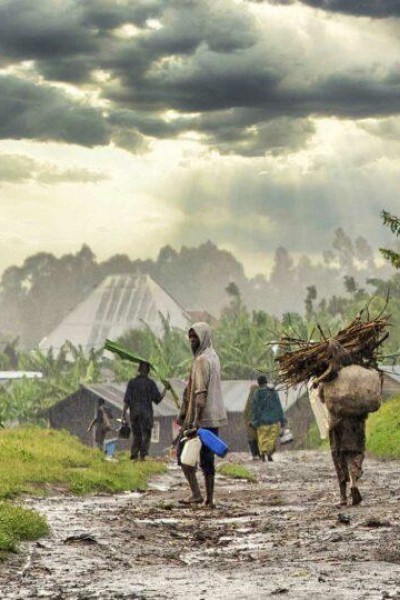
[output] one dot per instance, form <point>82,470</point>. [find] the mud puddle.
<point>282,536</point>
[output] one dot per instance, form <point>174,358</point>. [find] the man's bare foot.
<point>191,500</point>
<point>356,497</point>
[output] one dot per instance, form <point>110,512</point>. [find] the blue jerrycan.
<point>213,442</point>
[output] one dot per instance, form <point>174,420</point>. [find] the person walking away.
<point>267,417</point>
<point>102,422</point>
<point>141,393</point>
<point>250,429</point>
<point>202,406</point>
<point>346,433</point>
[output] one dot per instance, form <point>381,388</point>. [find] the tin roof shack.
<point>75,412</point>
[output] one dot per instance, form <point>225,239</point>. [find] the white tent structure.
<point>119,303</point>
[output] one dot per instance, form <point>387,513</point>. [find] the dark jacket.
<point>266,407</point>
<point>140,394</point>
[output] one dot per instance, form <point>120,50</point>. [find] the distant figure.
<point>267,417</point>
<point>102,422</point>
<point>202,407</point>
<point>140,395</point>
<point>251,430</point>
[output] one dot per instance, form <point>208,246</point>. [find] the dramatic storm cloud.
<point>254,123</point>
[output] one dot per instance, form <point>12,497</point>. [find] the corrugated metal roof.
<point>118,304</point>
<point>6,375</point>
<point>391,371</point>
<point>234,392</point>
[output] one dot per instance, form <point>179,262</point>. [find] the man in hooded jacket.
<point>202,407</point>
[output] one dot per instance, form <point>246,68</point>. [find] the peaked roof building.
<point>118,304</point>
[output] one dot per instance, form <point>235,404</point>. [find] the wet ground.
<point>281,537</point>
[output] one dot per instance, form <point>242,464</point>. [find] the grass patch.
<point>34,460</point>
<point>383,430</point>
<point>18,524</point>
<point>236,471</point>
<point>38,461</point>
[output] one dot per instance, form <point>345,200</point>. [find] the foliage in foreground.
<point>33,460</point>
<point>236,471</point>
<point>18,524</point>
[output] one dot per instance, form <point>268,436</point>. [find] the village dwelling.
<point>117,305</point>
<point>75,412</point>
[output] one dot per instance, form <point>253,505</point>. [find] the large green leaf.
<point>126,354</point>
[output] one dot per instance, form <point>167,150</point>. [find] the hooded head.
<point>203,333</point>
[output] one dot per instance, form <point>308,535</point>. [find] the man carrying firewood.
<point>346,431</point>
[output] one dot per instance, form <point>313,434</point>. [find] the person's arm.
<point>156,395</point>
<point>91,425</point>
<point>183,409</point>
<point>281,414</point>
<point>201,381</point>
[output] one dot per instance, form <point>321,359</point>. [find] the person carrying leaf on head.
<point>141,393</point>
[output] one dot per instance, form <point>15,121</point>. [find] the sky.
<point>131,124</point>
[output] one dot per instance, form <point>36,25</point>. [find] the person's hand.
<point>88,430</point>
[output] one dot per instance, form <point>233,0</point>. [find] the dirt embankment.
<point>281,537</point>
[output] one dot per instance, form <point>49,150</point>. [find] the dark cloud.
<point>362,8</point>
<point>366,8</point>
<point>35,111</point>
<point>211,62</point>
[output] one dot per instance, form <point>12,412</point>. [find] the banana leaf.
<point>126,354</point>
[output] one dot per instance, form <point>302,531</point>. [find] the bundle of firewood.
<point>299,360</point>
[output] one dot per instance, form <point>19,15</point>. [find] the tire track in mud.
<point>279,537</point>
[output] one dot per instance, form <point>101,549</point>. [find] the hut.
<point>74,412</point>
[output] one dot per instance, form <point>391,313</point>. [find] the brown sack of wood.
<point>355,391</point>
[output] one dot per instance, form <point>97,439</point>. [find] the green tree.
<point>393,223</point>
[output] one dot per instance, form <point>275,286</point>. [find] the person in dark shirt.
<point>140,394</point>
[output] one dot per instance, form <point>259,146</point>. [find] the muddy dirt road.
<point>280,537</point>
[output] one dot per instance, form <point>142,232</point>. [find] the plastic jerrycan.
<point>191,452</point>
<point>213,442</point>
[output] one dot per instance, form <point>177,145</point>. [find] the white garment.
<point>319,409</point>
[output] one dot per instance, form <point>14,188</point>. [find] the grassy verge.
<point>236,471</point>
<point>38,461</point>
<point>383,430</point>
<point>34,460</point>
